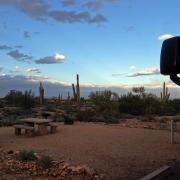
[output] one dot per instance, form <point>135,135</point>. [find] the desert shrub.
<point>147,118</point>
<point>85,115</point>
<point>2,102</point>
<point>97,118</point>
<point>165,109</point>
<point>9,121</point>
<point>146,104</point>
<point>131,104</point>
<point>50,107</point>
<point>26,155</point>
<point>109,119</point>
<point>25,100</point>
<point>104,100</point>
<point>69,119</point>
<point>57,117</point>
<point>175,103</point>
<point>46,161</point>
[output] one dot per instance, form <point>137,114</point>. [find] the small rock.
<point>10,152</point>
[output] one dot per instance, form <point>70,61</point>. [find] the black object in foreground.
<point>170,59</point>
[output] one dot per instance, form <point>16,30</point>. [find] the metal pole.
<point>172,132</point>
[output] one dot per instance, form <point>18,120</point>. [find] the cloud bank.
<point>15,54</point>
<point>42,11</point>
<point>54,87</point>
<point>145,72</point>
<point>98,4</point>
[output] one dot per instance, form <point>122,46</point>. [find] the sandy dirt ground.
<point>115,151</point>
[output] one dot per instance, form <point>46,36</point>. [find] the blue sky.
<point>109,43</point>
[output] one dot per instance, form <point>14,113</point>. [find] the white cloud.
<point>132,67</point>
<point>118,74</point>
<point>28,71</point>
<point>145,72</point>
<point>165,36</point>
<point>33,70</point>
<point>59,57</point>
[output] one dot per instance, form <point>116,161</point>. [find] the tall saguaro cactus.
<point>60,97</point>
<point>41,94</point>
<point>68,96</point>
<point>76,90</point>
<point>165,95</point>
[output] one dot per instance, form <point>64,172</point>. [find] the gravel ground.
<point>115,151</point>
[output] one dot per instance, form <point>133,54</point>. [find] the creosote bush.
<point>141,103</point>
<point>26,155</point>
<point>10,121</point>
<point>46,161</point>
<point>25,100</point>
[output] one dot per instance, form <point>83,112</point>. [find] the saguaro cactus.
<point>68,96</point>
<point>60,97</point>
<point>76,91</point>
<point>41,94</point>
<point>165,95</point>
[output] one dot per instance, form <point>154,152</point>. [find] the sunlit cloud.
<point>59,57</point>
<point>165,36</point>
<point>132,67</point>
<point>25,71</point>
<point>145,72</point>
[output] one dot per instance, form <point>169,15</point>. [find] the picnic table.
<point>35,126</point>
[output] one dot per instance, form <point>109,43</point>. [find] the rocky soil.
<point>12,168</point>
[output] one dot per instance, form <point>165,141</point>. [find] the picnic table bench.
<point>27,129</point>
<point>35,126</point>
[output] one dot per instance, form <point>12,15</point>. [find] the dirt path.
<point>113,150</point>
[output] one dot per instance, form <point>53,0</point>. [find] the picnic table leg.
<point>42,129</point>
<point>17,131</point>
<point>53,129</point>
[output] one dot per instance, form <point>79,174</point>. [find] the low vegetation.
<point>26,155</point>
<point>101,106</point>
<point>10,121</point>
<point>46,161</point>
<point>25,100</point>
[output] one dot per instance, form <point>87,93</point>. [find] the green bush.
<point>27,155</point>
<point>104,100</point>
<point>69,119</point>
<point>146,104</point>
<point>25,100</point>
<point>85,116</point>
<point>111,120</point>
<point>175,103</point>
<point>46,161</point>
<point>9,121</point>
<point>97,118</point>
<point>132,104</point>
